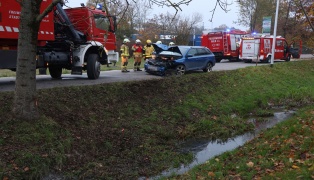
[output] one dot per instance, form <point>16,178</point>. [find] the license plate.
<point>153,68</point>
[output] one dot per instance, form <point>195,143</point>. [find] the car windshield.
<point>179,49</point>
<point>183,49</point>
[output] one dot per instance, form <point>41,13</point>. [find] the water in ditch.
<point>206,150</point>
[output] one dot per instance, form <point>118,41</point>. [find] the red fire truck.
<point>76,39</point>
<point>224,44</point>
<point>259,49</point>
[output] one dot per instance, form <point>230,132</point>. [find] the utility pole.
<point>163,33</point>
<point>274,38</point>
<point>194,37</point>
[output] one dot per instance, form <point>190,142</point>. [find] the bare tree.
<point>186,27</point>
<point>178,27</point>
<point>25,99</point>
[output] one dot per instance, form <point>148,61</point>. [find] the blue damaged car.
<point>180,59</point>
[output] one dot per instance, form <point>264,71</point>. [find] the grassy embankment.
<point>131,129</point>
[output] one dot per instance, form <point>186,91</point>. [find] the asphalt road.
<point>45,81</point>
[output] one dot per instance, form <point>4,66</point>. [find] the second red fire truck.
<point>224,44</point>
<point>259,49</point>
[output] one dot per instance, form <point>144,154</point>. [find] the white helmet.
<point>126,40</point>
<point>158,42</point>
<point>138,41</point>
<point>171,43</point>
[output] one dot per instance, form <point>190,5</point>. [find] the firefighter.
<point>148,50</point>
<point>158,42</point>
<point>171,44</point>
<point>124,50</point>
<point>137,49</point>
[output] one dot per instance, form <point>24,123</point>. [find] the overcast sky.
<point>200,6</point>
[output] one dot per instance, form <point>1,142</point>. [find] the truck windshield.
<point>102,22</point>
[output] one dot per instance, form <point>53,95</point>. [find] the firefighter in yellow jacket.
<point>148,50</point>
<point>125,53</point>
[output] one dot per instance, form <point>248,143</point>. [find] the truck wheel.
<point>55,72</point>
<point>42,71</point>
<point>93,66</point>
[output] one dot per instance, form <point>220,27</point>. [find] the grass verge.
<point>133,129</point>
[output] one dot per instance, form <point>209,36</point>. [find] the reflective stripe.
<point>8,29</point>
<point>125,50</point>
<point>16,30</point>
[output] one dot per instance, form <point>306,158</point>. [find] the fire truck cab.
<point>224,44</point>
<point>259,49</point>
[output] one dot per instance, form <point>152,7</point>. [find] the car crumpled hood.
<point>160,47</point>
<point>169,54</point>
<point>164,50</point>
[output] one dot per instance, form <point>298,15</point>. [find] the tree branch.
<point>305,14</point>
<point>48,10</point>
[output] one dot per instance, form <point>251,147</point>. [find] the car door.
<point>192,59</point>
<point>204,57</point>
<point>279,49</point>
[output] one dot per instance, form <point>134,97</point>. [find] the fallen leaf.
<point>26,169</point>
<point>269,171</point>
<point>295,167</point>
<point>200,177</point>
<point>211,174</point>
<point>250,164</point>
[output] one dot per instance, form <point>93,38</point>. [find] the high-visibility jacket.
<point>148,50</point>
<point>124,50</point>
<point>137,48</point>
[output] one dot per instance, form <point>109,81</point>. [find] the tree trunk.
<point>25,103</point>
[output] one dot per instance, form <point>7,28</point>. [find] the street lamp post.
<point>194,37</point>
<point>274,38</point>
<point>163,33</point>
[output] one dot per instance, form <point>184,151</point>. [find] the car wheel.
<point>180,70</point>
<point>93,66</point>
<point>208,67</point>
